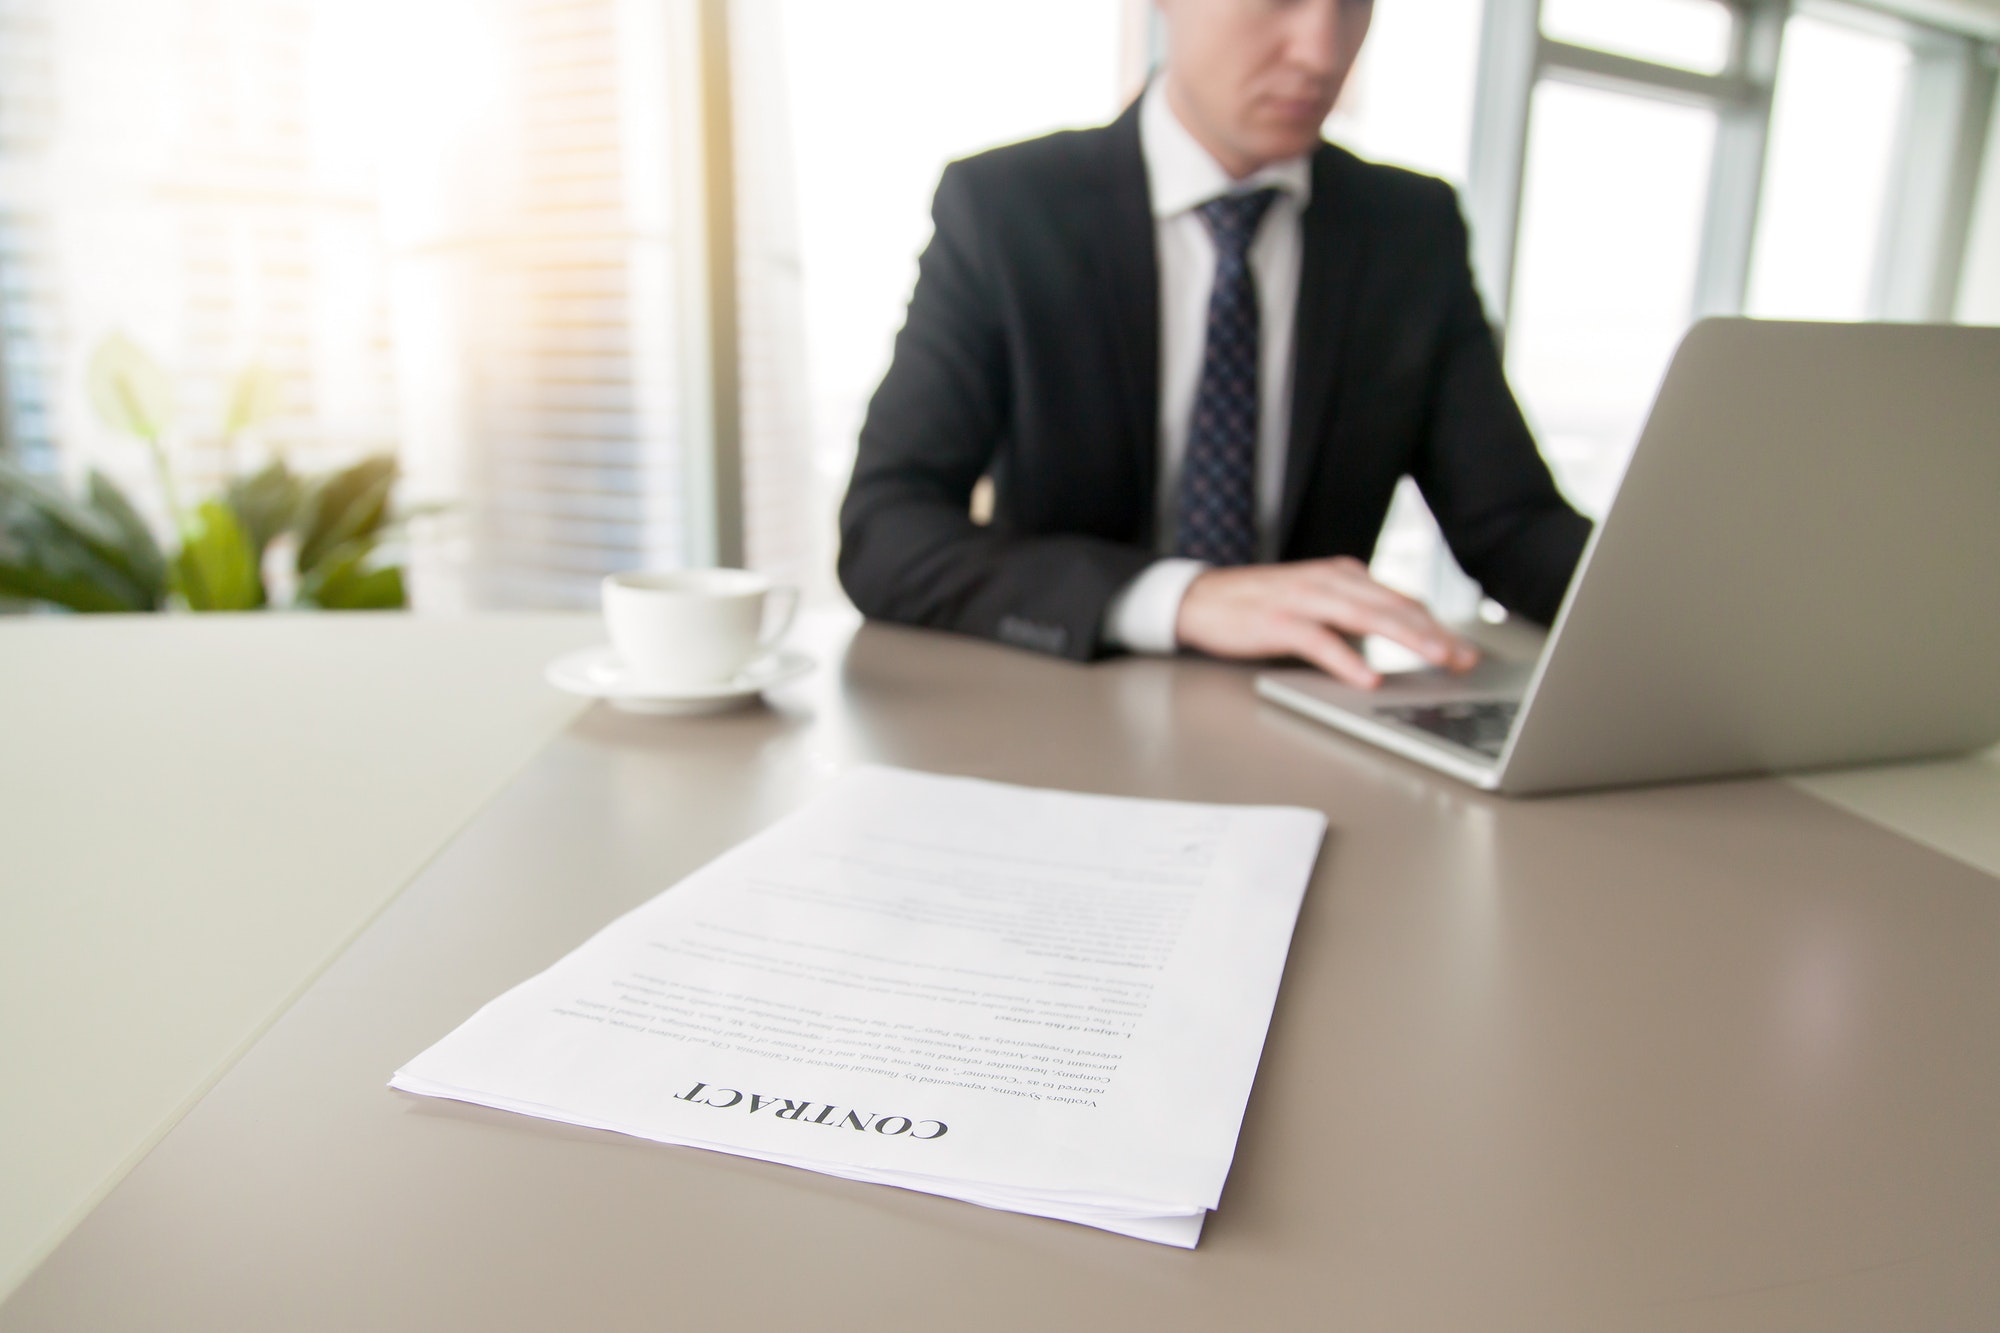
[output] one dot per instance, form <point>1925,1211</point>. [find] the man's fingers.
<point>1352,579</point>
<point>1405,620</point>
<point>1399,620</point>
<point>1303,609</point>
<point>1331,654</point>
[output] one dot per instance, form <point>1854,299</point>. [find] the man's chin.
<point>1275,143</point>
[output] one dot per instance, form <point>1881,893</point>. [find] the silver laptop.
<point>1801,569</point>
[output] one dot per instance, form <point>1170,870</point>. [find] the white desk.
<point>197,816</point>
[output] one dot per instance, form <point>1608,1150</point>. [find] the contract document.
<point>1032,1000</point>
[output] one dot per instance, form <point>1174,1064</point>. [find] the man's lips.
<point>1295,110</point>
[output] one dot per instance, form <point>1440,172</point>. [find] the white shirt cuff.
<point>1141,618</point>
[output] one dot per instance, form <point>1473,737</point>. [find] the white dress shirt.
<point>1181,176</point>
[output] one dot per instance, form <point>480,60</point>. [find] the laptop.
<point>1801,569</point>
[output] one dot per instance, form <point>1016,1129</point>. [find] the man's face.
<point>1253,79</point>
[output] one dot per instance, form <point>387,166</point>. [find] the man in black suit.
<point>1194,351</point>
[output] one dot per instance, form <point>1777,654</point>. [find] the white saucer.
<point>599,674</point>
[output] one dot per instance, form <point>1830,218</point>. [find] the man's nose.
<point>1313,36</point>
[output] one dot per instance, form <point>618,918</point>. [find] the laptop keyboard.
<point>1481,727</point>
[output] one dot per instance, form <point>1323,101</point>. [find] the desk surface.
<point>197,813</point>
<point>1715,1056</point>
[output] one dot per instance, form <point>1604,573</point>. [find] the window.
<point>1834,129</point>
<point>1408,102</point>
<point>1611,228</point>
<point>1979,295</point>
<point>1638,163</point>
<point>442,225</point>
<point>538,292</point>
<point>504,236</point>
<point>1687,34</point>
<point>879,95</point>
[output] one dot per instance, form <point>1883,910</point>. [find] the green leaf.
<point>54,548</point>
<point>344,582</point>
<point>369,590</point>
<point>266,503</point>
<point>216,569</point>
<point>351,505</point>
<point>257,396</point>
<point>78,590</point>
<point>135,540</point>
<point>129,390</point>
<point>61,580</point>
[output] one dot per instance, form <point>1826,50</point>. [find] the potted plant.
<point>94,552</point>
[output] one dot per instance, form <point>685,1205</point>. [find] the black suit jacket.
<point>1031,353</point>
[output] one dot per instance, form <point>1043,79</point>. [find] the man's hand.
<point>1302,609</point>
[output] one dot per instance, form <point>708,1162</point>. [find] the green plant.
<point>90,554</point>
<point>94,553</point>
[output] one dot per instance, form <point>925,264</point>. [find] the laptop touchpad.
<point>1493,678</point>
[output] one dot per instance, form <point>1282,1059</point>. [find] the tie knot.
<point>1232,220</point>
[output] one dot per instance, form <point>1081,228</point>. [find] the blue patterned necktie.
<point>1218,485</point>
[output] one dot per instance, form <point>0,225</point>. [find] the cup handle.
<point>775,627</point>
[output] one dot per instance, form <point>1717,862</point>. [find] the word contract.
<point>1032,1000</point>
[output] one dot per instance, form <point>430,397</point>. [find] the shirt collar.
<point>1180,174</point>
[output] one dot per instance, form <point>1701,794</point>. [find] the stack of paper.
<point>1032,1000</point>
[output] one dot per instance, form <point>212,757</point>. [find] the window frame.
<point>1940,143</point>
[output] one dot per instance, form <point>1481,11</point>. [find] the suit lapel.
<point>1129,269</point>
<point>1329,271</point>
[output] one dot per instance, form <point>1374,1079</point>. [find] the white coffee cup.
<point>690,628</point>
